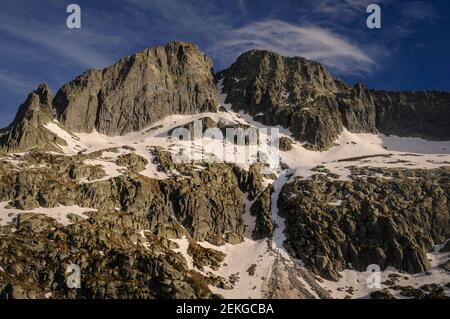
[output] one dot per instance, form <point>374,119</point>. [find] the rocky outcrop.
<point>27,131</point>
<point>115,262</point>
<point>301,95</point>
<point>261,209</point>
<point>138,91</point>
<point>252,181</point>
<point>123,249</point>
<point>205,257</point>
<point>210,205</point>
<point>196,128</point>
<point>285,144</point>
<point>132,161</point>
<point>389,222</point>
<point>236,133</point>
<point>207,202</point>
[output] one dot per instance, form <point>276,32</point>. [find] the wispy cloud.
<point>311,42</point>
<point>419,10</point>
<point>36,44</point>
<point>226,38</point>
<point>16,83</point>
<point>71,46</point>
<point>413,16</point>
<point>188,17</point>
<point>343,10</point>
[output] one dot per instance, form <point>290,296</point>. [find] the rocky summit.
<point>27,131</point>
<point>138,90</point>
<point>99,198</point>
<point>302,95</point>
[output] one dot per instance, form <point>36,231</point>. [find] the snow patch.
<point>111,169</point>
<point>60,214</point>
<point>350,146</point>
<point>358,280</point>
<point>183,245</point>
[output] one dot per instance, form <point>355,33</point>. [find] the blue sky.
<point>410,52</point>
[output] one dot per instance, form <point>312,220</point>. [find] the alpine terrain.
<point>158,178</point>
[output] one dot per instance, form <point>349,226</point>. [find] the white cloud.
<point>76,48</point>
<point>310,42</point>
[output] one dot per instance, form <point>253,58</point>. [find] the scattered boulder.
<point>381,294</point>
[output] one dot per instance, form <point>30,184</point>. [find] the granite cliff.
<point>303,96</point>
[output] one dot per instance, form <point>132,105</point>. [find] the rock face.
<point>422,114</point>
<point>285,144</point>
<point>27,131</point>
<point>138,91</point>
<point>301,95</point>
<point>261,209</point>
<point>389,222</point>
<point>209,204</point>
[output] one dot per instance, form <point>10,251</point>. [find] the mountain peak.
<point>44,93</point>
<point>283,70</point>
<point>28,131</point>
<point>139,90</point>
<point>36,107</point>
<point>303,96</point>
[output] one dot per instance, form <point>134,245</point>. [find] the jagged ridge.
<point>138,90</point>
<point>302,95</point>
<point>27,131</point>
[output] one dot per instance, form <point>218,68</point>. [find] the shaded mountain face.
<point>423,114</point>
<point>138,91</point>
<point>301,95</point>
<point>27,131</point>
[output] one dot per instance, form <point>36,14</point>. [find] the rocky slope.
<point>301,95</point>
<point>124,246</point>
<point>369,220</point>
